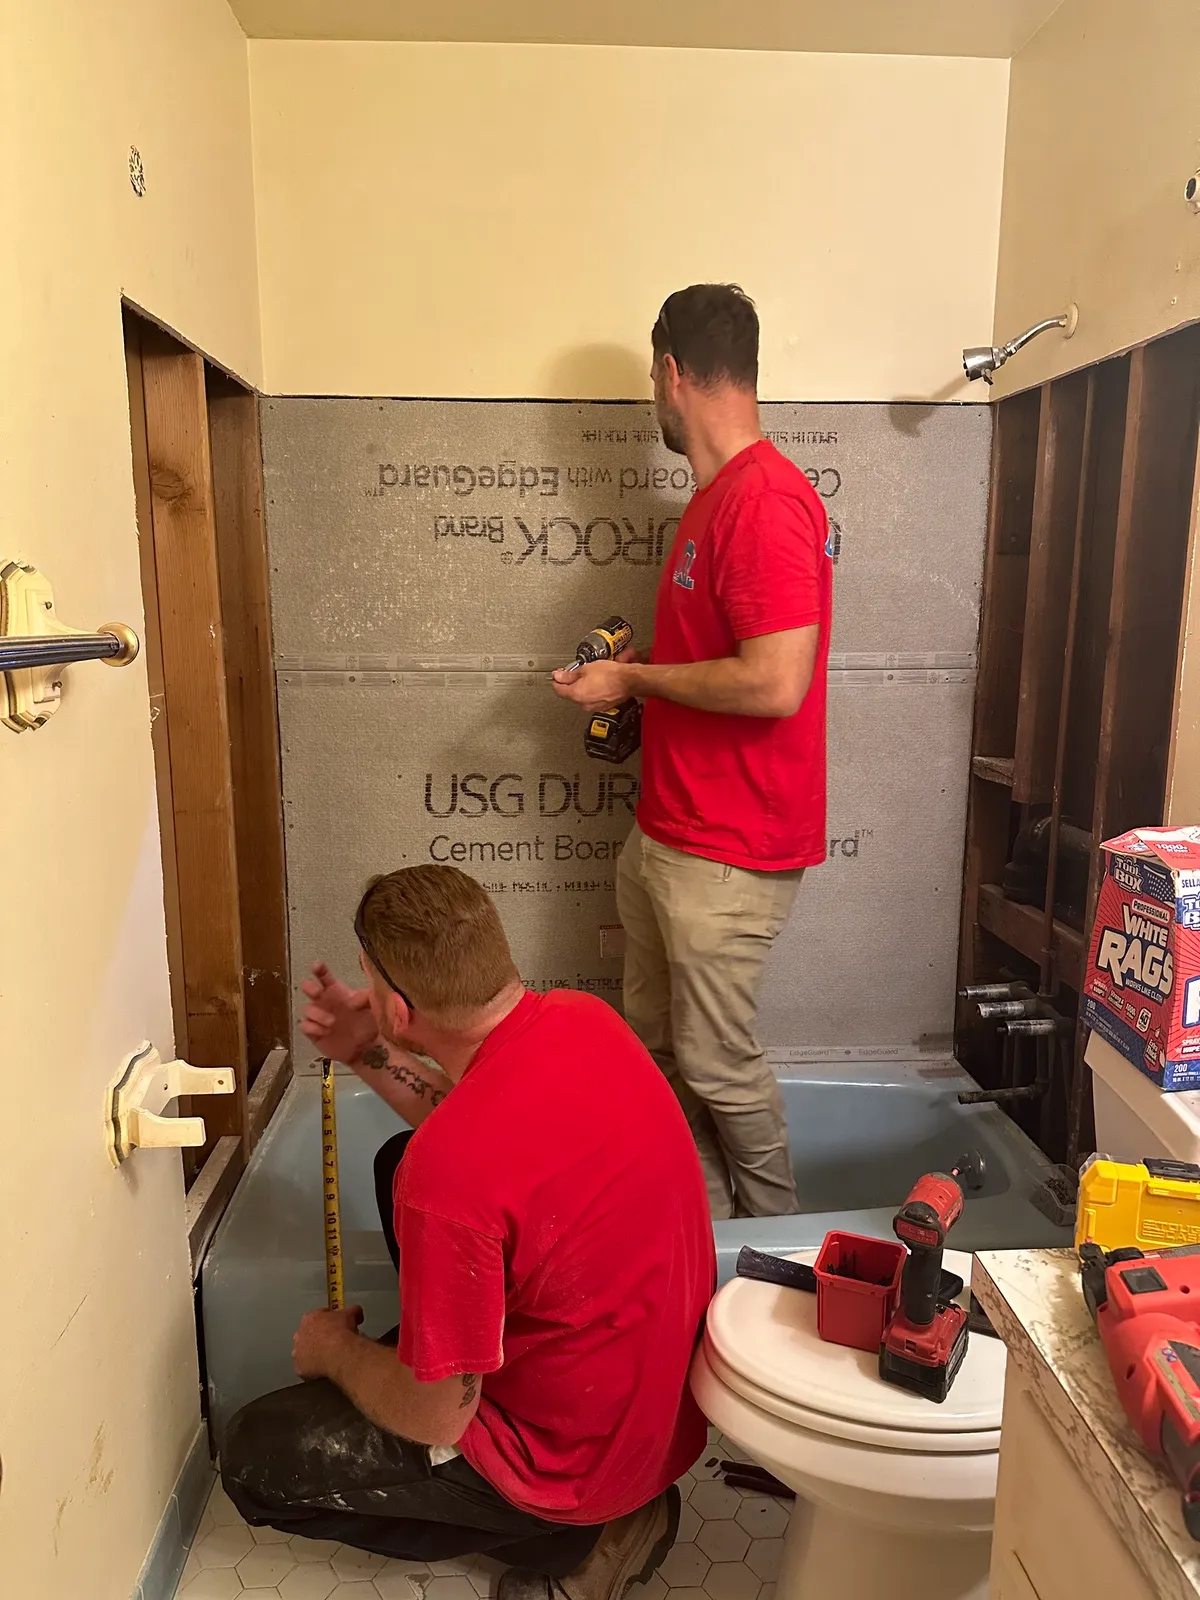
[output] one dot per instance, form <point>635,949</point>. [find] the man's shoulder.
<point>575,1029</point>
<point>770,483</point>
<point>572,1002</point>
<point>571,1011</point>
<point>573,1060</point>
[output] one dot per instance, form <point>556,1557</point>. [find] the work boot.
<point>629,1550</point>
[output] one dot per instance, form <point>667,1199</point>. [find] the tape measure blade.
<point>334,1284</point>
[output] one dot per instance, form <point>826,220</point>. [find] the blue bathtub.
<point>860,1135</point>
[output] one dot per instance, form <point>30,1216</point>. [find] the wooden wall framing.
<point>198,487</point>
<point>1089,532</point>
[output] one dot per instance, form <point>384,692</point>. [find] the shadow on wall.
<point>909,416</point>
<point>600,372</point>
<point>615,372</point>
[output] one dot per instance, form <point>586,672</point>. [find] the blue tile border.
<point>159,1577</point>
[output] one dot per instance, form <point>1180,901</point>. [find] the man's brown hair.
<point>436,934</point>
<point>711,329</point>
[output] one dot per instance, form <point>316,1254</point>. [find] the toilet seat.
<point>761,1342</point>
<point>830,1427</point>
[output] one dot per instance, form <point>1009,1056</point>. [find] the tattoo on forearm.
<point>376,1057</point>
<point>420,1086</point>
<point>470,1383</point>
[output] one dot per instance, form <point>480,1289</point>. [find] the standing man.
<point>732,803</point>
<point>548,1222</point>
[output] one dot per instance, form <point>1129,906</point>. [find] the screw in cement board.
<point>329,1189</point>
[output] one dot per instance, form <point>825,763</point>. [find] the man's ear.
<point>398,1015</point>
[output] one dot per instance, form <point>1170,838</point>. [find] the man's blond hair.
<point>436,933</point>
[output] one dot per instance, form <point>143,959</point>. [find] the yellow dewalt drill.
<point>615,734</point>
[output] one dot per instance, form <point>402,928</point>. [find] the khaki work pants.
<point>697,935</point>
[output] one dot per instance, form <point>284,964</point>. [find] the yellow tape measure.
<point>329,1189</point>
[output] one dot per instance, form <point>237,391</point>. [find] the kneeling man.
<point>549,1223</point>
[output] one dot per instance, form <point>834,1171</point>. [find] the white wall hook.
<point>145,1085</point>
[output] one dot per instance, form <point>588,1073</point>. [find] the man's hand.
<point>337,1019</point>
<point>370,1375</point>
<point>597,685</point>
<point>769,677</point>
<point>318,1338</point>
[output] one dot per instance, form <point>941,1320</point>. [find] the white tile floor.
<point>729,1548</point>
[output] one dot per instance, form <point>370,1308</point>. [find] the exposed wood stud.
<point>189,603</point>
<point>244,572</point>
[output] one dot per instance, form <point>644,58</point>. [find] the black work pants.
<point>305,1460</point>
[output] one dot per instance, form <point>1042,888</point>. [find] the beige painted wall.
<point>1103,131</point>
<point>491,220</point>
<point>98,1384</point>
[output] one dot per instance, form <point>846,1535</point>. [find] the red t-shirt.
<point>749,558</point>
<point>555,1237</point>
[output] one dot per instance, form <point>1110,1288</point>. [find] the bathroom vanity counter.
<point>1080,1508</point>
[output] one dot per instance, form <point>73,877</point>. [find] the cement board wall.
<point>431,559</point>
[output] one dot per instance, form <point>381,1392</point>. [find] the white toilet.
<point>894,1493</point>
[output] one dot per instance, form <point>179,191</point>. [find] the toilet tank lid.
<point>769,1336</point>
<point>1173,1120</point>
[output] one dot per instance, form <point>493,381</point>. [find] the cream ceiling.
<point>885,27</point>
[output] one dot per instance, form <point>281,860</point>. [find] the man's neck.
<point>724,426</point>
<point>455,1049</point>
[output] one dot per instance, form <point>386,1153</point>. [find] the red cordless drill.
<point>1147,1311</point>
<point>925,1342</point>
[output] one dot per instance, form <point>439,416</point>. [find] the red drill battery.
<point>925,1359</point>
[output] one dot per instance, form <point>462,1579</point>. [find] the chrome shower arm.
<point>1022,339</point>
<point>981,361</point>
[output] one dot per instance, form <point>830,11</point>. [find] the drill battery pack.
<point>925,1360</point>
<point>614,735</point>
<point>1147,1205</point>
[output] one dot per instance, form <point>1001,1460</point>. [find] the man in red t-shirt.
<point>549,1225</point>
<point>732,806</point>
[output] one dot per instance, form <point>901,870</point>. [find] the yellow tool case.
<point>1152,1204</point>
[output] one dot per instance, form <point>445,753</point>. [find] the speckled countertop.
<point>1036,1306</point>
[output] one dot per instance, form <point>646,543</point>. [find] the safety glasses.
<point>360,933</point>
<point>669,343</point>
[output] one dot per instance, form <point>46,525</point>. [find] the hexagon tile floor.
<point>729,1548</point>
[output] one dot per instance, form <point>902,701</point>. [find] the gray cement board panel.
<point>870,952</point>
<point>410,530</point>
<point>377,774</point>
